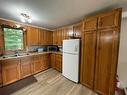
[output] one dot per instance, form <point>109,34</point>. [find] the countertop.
<point>30,54</point>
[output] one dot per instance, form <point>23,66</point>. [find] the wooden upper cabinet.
<point>90,23</point>
<point>88,59</point>
<point>10,71</point>
<point>26,66</point>
<point>106,62</point>
<point>49,38</point>
<point>32,36</point>
<point>45,37</point>
<point>109,20</point>
<point>55,37</point>
<point>77,30</point>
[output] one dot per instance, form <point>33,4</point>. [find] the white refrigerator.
<point>71,52</point>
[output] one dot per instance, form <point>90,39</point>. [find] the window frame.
<point>24,39</point>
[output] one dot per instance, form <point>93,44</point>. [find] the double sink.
<point>15,55</point>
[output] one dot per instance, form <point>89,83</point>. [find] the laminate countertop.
<point>21,55</point>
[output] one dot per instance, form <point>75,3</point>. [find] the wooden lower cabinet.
<point>41,62</point>
<point>56,62</point>
<point>37,64</point>
<point>59,62</point>
<point>53,61</point>
<point>26,67</point>
<point>88,58</point>
<point>0,75</point>
<point>46,61</point>
<point>10,71</point>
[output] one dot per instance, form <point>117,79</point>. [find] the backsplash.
<point>34,48</point>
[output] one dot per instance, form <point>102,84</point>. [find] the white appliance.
<point>71,52</point>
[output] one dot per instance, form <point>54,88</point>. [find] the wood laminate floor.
<point>51,82</point>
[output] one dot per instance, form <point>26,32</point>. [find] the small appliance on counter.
<point>52,48</point>
<point>40,49</point>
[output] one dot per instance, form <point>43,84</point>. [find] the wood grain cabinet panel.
<point>1,42</point>
<point>37,64</point>
<point>45,61</point>
<point>109,20</point>
<point>106,62</point>
<point>10,71</point>
<point>77,30</point>
<point>90,23</point>
<point>53,61</point>
<point>88,58</point>
<point>32,36</point>
<point>0,74</point>
<point>58,62</point>
<point>26,66</point>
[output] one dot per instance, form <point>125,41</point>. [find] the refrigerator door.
<point>70,68</point>
<point>71,46</point>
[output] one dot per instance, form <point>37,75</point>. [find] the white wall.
<point>122,66</point>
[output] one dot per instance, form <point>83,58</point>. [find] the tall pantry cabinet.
<point>100,44</point>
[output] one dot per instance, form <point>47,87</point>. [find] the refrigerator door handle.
<point>70,53</point>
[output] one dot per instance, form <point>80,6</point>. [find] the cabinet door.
<point>1,42</point>
<point>26,67</point>
<point>109,20</point>
<point>106,61</point>
<point>53,61</point>
<point>0,74</point>
<point>54,38</point>
<point>32,36</point>
<point>41,37</point>
<point>10,71</point>
<point>58,63</point>
<point>77,29</point>
<point>49,38</point>
<point>90,23</point>
<point>46,60</point>
<point>88,59</point>
<point>38,66</point>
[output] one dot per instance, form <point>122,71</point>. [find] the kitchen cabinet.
<point>32,36</point>
<point>37,64</point>
<point>49,38</point>
<point>56,62</point>
<point>77,30</point>
<point>88,58</point>
<point>1,42</point>
<point>53,61</point>
<point>106,62</point>
<point>68,32</point>
<point>10,71</point>
<point>0,75</point>
<point>41,62</point>
<point>26,67</point>
<point>45,61</point>
<point>90,23</point>
<point>100,52</point>
<point>109,20</point>
<point>57,37</point>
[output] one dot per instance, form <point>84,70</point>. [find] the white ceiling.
<point>55,13</point>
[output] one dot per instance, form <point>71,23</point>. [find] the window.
<point>13,39</point>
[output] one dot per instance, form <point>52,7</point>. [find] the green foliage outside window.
<point>13,39</point>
